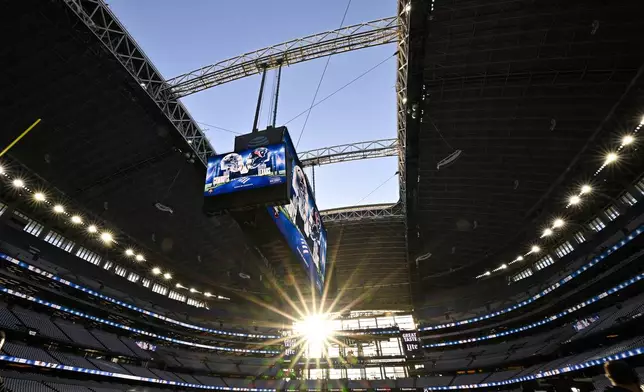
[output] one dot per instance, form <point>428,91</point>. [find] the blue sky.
<point>182,35</point>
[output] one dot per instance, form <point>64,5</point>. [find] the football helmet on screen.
<point>260,155</point>
<point>232,162</point>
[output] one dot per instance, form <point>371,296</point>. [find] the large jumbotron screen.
<point>265,171</point>
<point>251,177</point>
<point>249,169</point>
<point>300,221</point>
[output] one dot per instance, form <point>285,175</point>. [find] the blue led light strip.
<point>545,320</point>
<point>8,358</point>
<point>543,293</point>
<point>128,328</point>
<point>89,291</point>
<point>549,373</point>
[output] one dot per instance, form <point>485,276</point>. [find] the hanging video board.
<point>300,221</point>
<point>245,178</point>
<point>265,173</point>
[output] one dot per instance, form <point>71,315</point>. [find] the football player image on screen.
<point>298,207</point>
<point>314,237</point>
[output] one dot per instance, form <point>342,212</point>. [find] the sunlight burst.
<point>314,330</point>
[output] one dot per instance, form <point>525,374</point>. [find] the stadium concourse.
<point>512,261</point>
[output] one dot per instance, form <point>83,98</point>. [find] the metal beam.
<point>404,8</point>
<point>359,36</point>
<point>398,211</point>
<point>362,213</point>
<point>350,152</point>
<point>99,20</point>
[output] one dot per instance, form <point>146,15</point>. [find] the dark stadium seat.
<point>209,380</point>
<point>19,385</point>
<point>39,322</point>
<point>23,351</point>
<point>112,342</point>
<point>138,351</point>
<point>165,375</point>
<point>500,376</point>
<point>108,366</point>
<point>73,360</point>
<point>139,371</point>
<point>60,387</point>
<point>8,319</point>
<point>188,378</point>
<point>79,333</point>
<point>467,379</point>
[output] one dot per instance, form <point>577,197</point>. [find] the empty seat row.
<point>22,351</point>
<point>19,318</point>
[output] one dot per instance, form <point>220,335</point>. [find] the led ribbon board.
<point>135,308</point>
<point>78,313</point>
<point>536,376</point>
<point>300,222</point>
<point>545,320</point>
<point>544,292</point>
<point>49,365</point>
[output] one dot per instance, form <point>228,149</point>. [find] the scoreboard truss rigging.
<point>350,152</point>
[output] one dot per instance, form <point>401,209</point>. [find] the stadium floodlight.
<point>167,276</point>
<point>39,196</point>
<point>193,290</point>
<point>207,294</point>
<point>107,237</point>
<point>59,209</point>
<point>18,183</point>
<point>558,223</point>
<point>519,258</point>
<point>627,139</point>
<point>139,257</point>
<point>156,270</point>
<point>546,232</point>
<point>77,220</point>
<point>535,249</point>
<point>610,158</point>
<point>129,252</point>
<point>92,229</point>
<point>574,200</point>
<point>180,286</point>
<point>586,189</point>
<point>1,170</point>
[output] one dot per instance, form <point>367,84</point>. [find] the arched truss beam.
<point>350,152</point>
<point>359,214</point>
<point>359,36</point>
<point>100,20</point>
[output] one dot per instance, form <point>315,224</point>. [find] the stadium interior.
<point>513,259</point>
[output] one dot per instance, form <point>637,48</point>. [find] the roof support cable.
<point>276,95</point>
<point>259,98</point>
